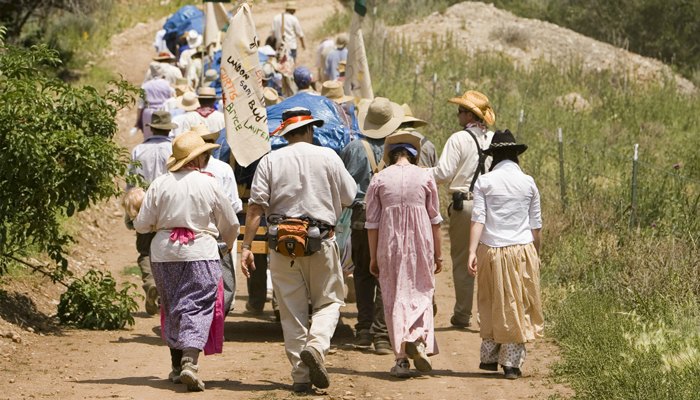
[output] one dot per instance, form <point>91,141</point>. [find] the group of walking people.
<point>187,226</point>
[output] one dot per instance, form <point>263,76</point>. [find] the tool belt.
<point>296,237</point>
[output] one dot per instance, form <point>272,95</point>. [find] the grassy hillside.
<point>620,278</point>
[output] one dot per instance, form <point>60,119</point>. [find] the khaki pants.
<point>143,246</point>
<point>460,223</point>
<point>316,279</point>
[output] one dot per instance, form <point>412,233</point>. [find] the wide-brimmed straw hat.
<point>164,56</point>
<point>333,90</point>
<point>271,96</point>
<point>504,140</point>
<point>162,120</point>
<point>188,102</point>
<point>341,40</point>
<point>210,75</point>
<point>203,132</point>
<point>182,86</point>
<point>290,5</point>
<point>379,118</point>
<point>186,148</point>
<point>402,136</point>
<point>477,103</point>
<point>295,118</point>
<point>206,92</point>
<point>409,118</point>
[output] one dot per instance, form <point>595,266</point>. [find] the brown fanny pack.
<point>297,237</point>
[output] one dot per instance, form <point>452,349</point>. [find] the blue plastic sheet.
<point>183,20</point>
<point>333,134</point>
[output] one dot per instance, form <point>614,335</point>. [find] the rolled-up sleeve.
<point>479,204</point>
<point>374,205</point>
<point>260,188</point>
<point>432,201</point>
<point>535,212</point>
<point>449,161</point>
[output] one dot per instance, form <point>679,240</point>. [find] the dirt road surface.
<point>134,363</point>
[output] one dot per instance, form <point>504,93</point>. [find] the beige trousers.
<point>460,222</point>
<point>315,280</point>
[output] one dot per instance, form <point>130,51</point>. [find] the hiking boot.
<point>174,375</point>
<point>416,351</point>
<point>317,371</point>
<point>363,339</point>
<point>152,307</point>
<point>457,323</point>
<point>402,369</point>
<point>512,372</point>
<point>382,347</point>
<point>301,387</point>
<point>488,366</point>
<point>189,377</point>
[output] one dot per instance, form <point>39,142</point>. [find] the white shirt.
<point>171,73</point>
<point>292,30</point>
<point>186,199</point>
<point>507,202</point>
<point>153,153</point>
<point>215,122</point>
<point>303,179</point>
<point>460,158</point>
<point>159,43</point>
<point>224,175</point>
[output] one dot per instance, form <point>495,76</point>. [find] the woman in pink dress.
<point>403,227</point>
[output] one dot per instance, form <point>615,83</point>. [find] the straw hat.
<point>333,90</point>
<point>341,41</point>
<point>181,86</point>
<point>295,118</point>
<point>203,132</point>
<point>194,39</point>
<point>188,102</point>
<point>162,120</point>
<point>210,75</point>
<point>477,103</point>
<point>379,118</point>
<point>409,118</point>
<point>271,96</point>
<point>206,93</point>
<point>503,140</point>
<point>164,56</point>
<point>291,5</point>
<point>409,137</point>
<point>186,148</point>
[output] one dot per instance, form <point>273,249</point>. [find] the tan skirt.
<point>510,309</point>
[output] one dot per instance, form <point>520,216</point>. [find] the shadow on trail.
<point>267,330</point>
<point>141,338</point>
<point>436,373</point>
<point>164,384</point>
<point>17,308</point>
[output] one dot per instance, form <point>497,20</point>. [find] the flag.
<point>357,79</point>
<point>361,7</point>
<point>241,82</point>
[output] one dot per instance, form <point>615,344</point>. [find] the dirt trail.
<point>134,363</point>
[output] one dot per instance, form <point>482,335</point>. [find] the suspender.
<point>480,168</point>
<point>370,156</point>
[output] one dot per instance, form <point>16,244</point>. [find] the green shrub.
<point>94,302</point>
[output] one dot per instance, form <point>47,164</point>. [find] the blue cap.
<point>302,77</point>
<point>412,150</point>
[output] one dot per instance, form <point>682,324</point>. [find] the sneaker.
<point>317,371</point>
<point>457,323</point>
<point>189,377</point>
<point>152,307</point>
<point>488,366</point>
<point>363,339</point>
<point>382,347</point>
<point>416,351</point>
<point>402,369</point>
<point>512,372</point>
<point>174,375</point>
<point>301,387</point>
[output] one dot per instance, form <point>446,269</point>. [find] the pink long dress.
<point>402,203</point>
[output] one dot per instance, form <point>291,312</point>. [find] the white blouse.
<point>507,202</point>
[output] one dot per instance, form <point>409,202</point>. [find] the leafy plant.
<point>57,155</point>
<point>94,302</point>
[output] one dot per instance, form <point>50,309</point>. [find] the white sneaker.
<point>416,351</point>
<point>402,369</point>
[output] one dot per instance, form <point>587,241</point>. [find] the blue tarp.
<point>333,134</point>
<point>183,20</point>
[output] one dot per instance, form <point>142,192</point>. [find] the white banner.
<point>357,80</point>
<point>241,81</point>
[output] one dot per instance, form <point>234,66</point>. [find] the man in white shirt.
<point>205,114</point>
<point>302,180</point>
<point>151,155</point>
<point>287,37</point>
<point>460,164</point>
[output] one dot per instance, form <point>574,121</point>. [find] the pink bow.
<point>183,235</point>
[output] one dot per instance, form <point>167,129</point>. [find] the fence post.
<point>562,179</point>
<point>457,87</point>
<point>415,83</point>
<point>633,213</point>
<point>432,103</point>
<point>521,118</point>
<point>383,51</point>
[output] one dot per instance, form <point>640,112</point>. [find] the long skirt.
<point>510,309</point>
<point>191,300</point>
